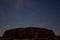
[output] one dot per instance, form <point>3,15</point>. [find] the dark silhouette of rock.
<point>29,32</point>
<point>0,37</point>
<point>59,37</point>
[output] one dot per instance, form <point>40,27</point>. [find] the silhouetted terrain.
<point>59,37</point>
<point>30,33</point>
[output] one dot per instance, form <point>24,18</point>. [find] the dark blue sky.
<point>23,13</point>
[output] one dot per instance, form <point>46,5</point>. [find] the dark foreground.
<point>27,39</point>
<point>29,33</point>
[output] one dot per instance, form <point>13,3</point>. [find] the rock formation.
<point>29,32</point>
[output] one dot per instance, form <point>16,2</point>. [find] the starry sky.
<point>25,13</point>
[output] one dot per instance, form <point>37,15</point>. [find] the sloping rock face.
<point>29,32</point>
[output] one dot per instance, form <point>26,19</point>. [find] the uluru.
<point>29,32</point>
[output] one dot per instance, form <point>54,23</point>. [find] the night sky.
<point>25,13</point>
